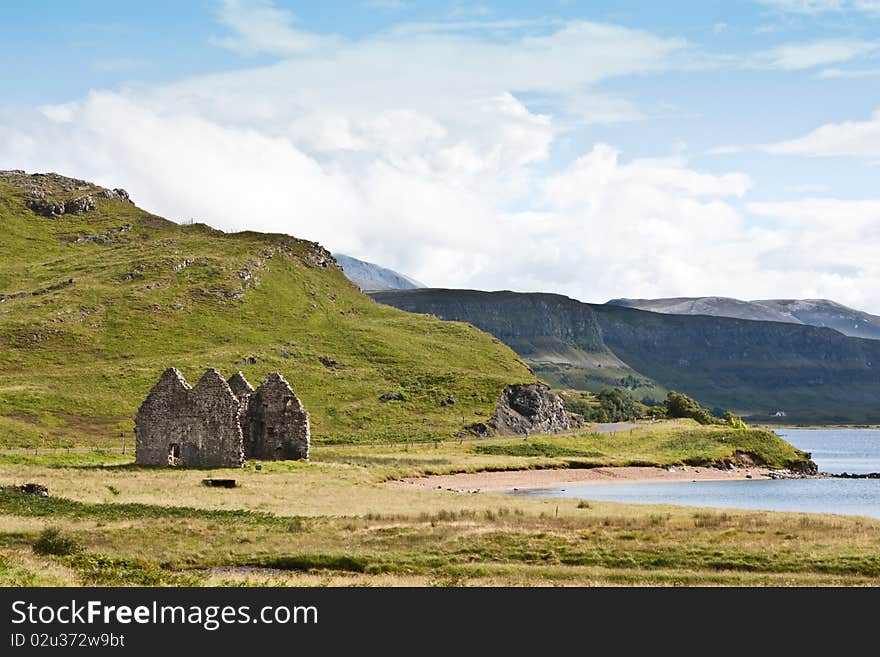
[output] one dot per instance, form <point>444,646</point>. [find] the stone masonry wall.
<point>158,423</point>
<point>275,424</point>
<point>196,427</point>
<point>215,432</point>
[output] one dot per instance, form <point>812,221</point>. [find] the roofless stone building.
<point>219,424</point>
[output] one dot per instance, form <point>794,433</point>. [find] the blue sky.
<point>597,149</point>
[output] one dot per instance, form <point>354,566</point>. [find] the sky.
<point>588,148</point>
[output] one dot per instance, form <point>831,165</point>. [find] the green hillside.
<point>94,306</point>
<point>560,340</point>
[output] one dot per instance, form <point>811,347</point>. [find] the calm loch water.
<point>833,450</point>
<point>856,451</point>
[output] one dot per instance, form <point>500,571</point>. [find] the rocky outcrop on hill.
<point>530,408</point>
<point>51,195</point>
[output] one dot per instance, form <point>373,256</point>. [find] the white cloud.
<point>811,6</point>
<point>466,9</point>
<point>838,73</point>
<point>426,205</point>
<point>600,171</point>
<point>416,150</point>
<point>834,216</point>
<point>484,26</point>
<point>826,248</point>
<point>386,4</point>
<point>798,56</point>
<point>432,73</point>
<point>849,138</point>
<point>180,164</point>
<point>818,7</point>
<point>260,27</point>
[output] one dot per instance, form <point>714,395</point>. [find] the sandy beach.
<point>560,478</point>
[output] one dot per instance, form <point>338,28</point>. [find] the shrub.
<point>53,541</point>
<point>656,411</point>
<point>735,421</point>
<point>680,405</point>
<point>579,406</point>
<point>619,406</point>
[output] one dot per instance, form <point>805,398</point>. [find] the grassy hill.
<point>95,305</point>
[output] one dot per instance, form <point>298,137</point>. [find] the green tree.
<point>680,405</point>
<point>619,406</point>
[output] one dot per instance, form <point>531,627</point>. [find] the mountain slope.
<point>370,277</point>
<point>752,367</point>
<point>812,312</point>
<point>560,338</point>
<point>97,301</point>
<point>757,368</point>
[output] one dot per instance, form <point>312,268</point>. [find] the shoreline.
<point>515,480</point>
<point>814,427</point>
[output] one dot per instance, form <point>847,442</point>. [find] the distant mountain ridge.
<point>755,368</point>
<point>811,312</point>
<point>371,277</point>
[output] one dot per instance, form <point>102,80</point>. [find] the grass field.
<point>340,520</point>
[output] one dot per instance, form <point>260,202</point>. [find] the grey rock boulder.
<point>530,408</point>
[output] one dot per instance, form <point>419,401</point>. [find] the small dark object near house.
<point>28,489</point>
<point>219,483</point>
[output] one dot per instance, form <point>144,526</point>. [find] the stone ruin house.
<point>219,424</point>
